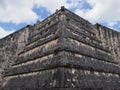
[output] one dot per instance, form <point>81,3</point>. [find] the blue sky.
<point>15,14</point>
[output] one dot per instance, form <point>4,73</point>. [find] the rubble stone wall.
<point>10,46</point>
<point>111,40</point>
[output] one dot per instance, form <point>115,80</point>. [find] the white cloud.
<point>4,33</point>
<point>102,11</point>
<point>17,11</point>
<point>111,24</point>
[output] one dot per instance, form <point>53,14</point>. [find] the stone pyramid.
<point>63,52</point>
